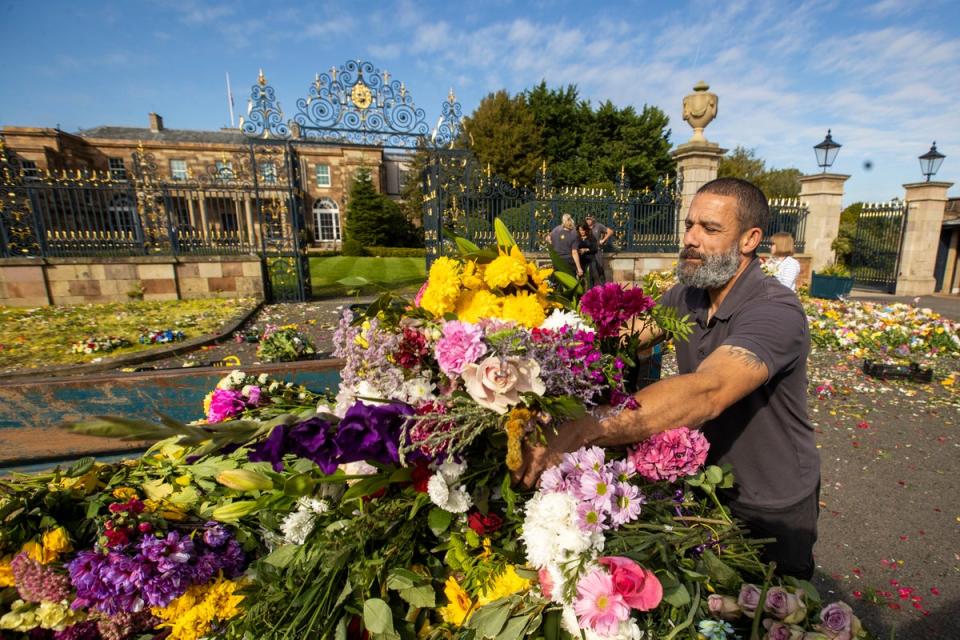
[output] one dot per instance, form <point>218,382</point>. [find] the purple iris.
<point>372,433</point>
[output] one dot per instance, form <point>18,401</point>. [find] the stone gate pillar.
<point>823,195</point>
<point>697,164</point>
<point>926,202</point>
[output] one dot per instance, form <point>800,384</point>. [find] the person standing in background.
<point>564,239</point>
<point>603,234</point>
<point>781,246</point>
<point>589,251</point>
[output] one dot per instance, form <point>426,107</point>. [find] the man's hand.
<point>568,437</point>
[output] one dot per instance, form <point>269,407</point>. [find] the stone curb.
<point>107,364</point>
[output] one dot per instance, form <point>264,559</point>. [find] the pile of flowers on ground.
<point>99,344</point>
<point>886,332</point>
<point>388,511</point>
<point>161,336</point>
<point>284,344</point>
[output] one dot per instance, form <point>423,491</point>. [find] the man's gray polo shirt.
<point>564,240</point>
<point>766,436</point>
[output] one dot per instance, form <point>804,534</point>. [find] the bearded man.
<point>742,382</point>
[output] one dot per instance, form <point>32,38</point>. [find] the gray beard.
<point>713,273</point>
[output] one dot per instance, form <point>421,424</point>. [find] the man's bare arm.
<point>723,378</point>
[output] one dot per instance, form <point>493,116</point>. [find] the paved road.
<point>948,306</point>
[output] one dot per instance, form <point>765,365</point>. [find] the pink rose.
<point>838,622</point>
<point>723,607</point>
<point>497,383</point>
<point>785,606</point>
<point>546,584</point>
<point>640,588</point>
<point>780,631</point>
<point>748,599</point>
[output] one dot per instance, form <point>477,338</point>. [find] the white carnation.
<point>418,390</point>
<point>444,490</point>
<point>550,530</point>
<point>559,319</point>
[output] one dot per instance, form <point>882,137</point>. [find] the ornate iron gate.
<point>875,261</point>
<point>463,198</point>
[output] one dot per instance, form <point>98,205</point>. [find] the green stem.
<point>694,607</point>
<point>758,612</point>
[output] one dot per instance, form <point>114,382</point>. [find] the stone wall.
<point>34,282</point>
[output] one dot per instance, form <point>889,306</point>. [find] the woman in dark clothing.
<point>588,249</point>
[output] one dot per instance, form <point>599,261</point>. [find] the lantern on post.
<point>826,151</point>
<point>930,162</point>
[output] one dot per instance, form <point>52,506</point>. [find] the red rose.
<point>484,524</point>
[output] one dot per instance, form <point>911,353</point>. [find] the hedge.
<point>396,252</point>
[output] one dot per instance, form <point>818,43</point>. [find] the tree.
<point>373,219</point>
<point>503,134</point>
<point>582,146</point>
<point>843,244</point>
<point>775,183</point>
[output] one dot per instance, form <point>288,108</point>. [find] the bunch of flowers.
<point>784,613</point>
<point>238,395</point>
<point>100,344</point>
<point>887,332</point>
<point>161,336</point>
<point>284,344</point>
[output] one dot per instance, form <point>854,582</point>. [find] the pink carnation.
<point>225,404</point>
<point>461,344</point>
<point>672,454</point>
<point>611,307</point>
<point>598,605</point>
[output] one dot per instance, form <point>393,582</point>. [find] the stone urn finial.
<point>699,110</point>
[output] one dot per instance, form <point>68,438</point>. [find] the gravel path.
<point>890,502</point>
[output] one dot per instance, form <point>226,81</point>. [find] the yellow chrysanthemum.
<point>472,276</point>
<point>443,287</point>
<point>540,278</point>
<point>191,616</point>
<point>505,584</point>
<point>57,541</point>
<point>523,308</point>
<point>507,269</point>
<point>459,605</point>
<point>472,306</point>
<point>6,573</point>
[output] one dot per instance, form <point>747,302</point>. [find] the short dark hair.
<point>752,207</point>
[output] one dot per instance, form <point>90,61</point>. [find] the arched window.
<point>326,219</point>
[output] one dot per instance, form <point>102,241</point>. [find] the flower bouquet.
<point>284,344</point>
<point>99,344</point>
<point>157,336</point>
<point>388,511</point>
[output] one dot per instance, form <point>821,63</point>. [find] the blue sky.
<point>885,76</point>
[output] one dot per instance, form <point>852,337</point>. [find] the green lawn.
<point>43,336</point>
<point>383,273</point>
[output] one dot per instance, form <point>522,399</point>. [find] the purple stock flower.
<point>169,552</point>
<point>161,589</point>
<point>215,534</point>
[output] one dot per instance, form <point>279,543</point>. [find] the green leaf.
<point>420,597</point>
<point>567,280</point>
<point>504,237</point>
<point>674,592</point>
<point>515,628</point>
<point>466,247</point>
<point>509,495</point>
<point>719,570</point>
<point>438,520</point>
<point>714,474</point>
<point>80,467</point>
<point>377,617</point>
<point>366,487</point>
<point>400,579</point>
<point>281,556</point>
<point>489,619</point>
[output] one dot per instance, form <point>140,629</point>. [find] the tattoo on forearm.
<point>747,357</point>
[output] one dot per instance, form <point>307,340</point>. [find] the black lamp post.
<point>930,161</point>
<point>826,151</point>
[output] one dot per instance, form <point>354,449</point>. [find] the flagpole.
<point>230,99</point>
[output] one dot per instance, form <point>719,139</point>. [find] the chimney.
<point>156,123</point>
